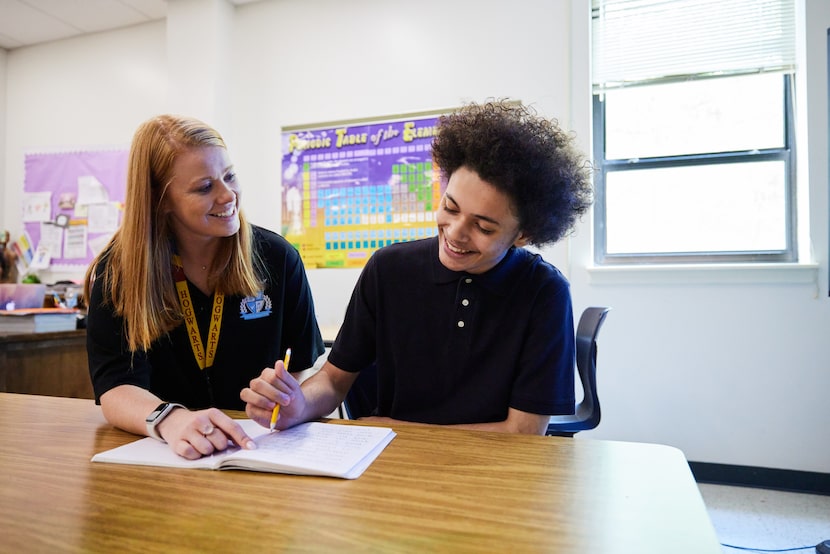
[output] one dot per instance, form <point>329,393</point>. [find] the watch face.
<point>155,413</point>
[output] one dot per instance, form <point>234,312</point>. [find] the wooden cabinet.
<point>51,364</point>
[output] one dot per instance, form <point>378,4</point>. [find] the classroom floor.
<point>766,520</point>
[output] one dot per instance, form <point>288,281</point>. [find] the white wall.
<point>299,63</point>
<point>730,366</point>
<point>88,92</point>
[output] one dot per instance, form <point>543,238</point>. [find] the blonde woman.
<point>189,301</point>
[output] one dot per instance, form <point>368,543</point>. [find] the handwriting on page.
<point>308,446</point>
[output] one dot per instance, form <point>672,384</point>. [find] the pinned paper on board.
<point>37,207</point>
<point>24,250</point>
<point>51,239</point>
<point>102,217</point>
<point>74,243</point>
<point>90,191</point>
<point>41,259</point>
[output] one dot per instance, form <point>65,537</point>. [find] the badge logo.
<point>254,307</point>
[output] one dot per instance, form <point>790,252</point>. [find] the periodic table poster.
<point>351,188</point>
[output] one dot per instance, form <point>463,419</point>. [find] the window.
<point>693,136</point>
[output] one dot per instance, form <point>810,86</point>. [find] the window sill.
<point>784,273</point>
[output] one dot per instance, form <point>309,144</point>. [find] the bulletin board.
<point>352,187</point>
<point>72,205</point>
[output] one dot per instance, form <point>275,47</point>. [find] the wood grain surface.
<point>433,489</point>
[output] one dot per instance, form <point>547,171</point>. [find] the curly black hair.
<point>529,158</point>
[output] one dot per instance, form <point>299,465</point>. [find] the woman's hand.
<point>196,434</point>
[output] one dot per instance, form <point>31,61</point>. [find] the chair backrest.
<point>587,415</point>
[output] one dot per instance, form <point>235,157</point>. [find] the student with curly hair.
<point>189,301</point>
<point>467,328</point>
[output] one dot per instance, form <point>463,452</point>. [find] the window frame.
<point>603,166</point>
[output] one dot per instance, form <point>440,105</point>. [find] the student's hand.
<point>274,385</point>
<point>196,434</point>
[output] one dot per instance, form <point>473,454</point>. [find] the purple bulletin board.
<point>73,202</point>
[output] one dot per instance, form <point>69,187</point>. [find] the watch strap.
<point>157,416</point>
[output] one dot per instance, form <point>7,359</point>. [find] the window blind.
<point>648,41</point>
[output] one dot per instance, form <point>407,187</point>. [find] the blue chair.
<point>587,413</point>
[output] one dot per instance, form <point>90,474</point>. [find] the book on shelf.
<point>315,448</point>
<point>38,320</point>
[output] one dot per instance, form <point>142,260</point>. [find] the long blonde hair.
<point>137,275</point>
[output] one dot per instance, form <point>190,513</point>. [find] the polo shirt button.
<point>461,324</point>
<point>465,302</point>
<point>468,280</point>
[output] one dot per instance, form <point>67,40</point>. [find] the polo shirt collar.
<point>499,279</point>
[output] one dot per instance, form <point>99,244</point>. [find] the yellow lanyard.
<point>190,318</point>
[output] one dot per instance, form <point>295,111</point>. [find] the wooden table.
<point>433,489</point>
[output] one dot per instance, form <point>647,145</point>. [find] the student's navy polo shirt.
<point>453,347</point>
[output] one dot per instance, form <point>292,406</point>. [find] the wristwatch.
<point>157,416</point>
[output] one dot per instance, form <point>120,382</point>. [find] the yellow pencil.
<point>276,411</point>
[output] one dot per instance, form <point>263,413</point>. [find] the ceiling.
<point>27,22</point>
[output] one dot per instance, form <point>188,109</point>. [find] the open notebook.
<point>324,449</point>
